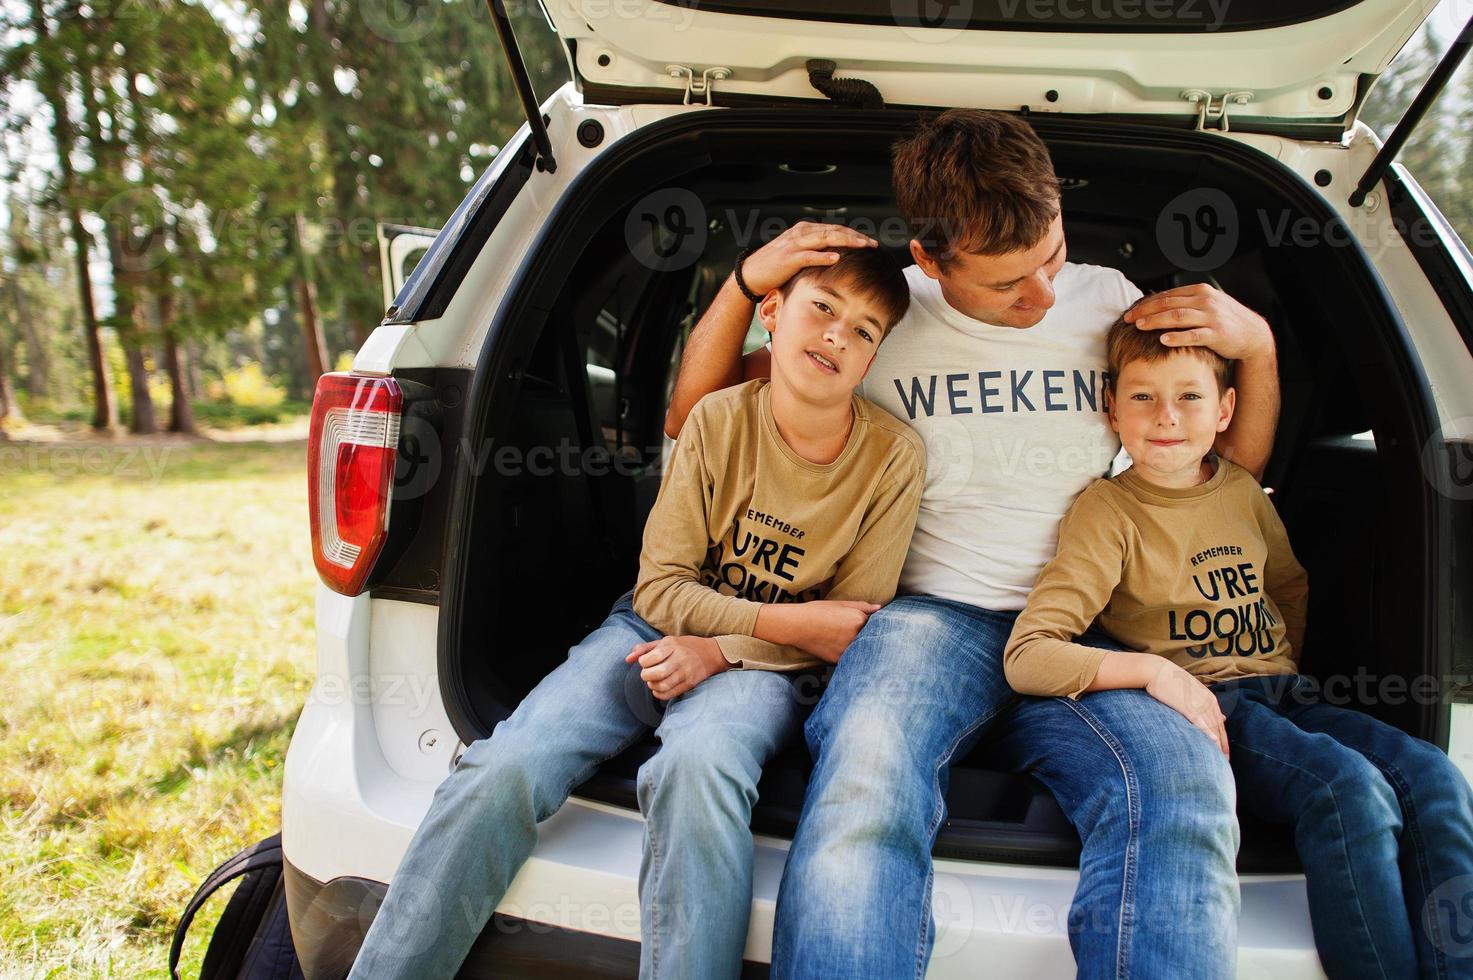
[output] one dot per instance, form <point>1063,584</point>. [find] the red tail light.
<point>350,474</point>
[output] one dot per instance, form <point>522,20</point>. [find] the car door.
<point>400,247</point>
<point>1300,67</point>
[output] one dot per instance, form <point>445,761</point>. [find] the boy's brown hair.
<point>971,180</point>
<point>1127,343</point>
<point>869,271</point>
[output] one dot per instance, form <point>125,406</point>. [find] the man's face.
<point>1014,289</point>
<point>824,336</point>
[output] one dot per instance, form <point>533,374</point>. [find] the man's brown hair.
<point>971,180</point>
<point>868,271</point>
<point>1127,343</point>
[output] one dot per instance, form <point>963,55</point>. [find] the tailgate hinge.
<point>698,87</point>
<point>1211,107</point>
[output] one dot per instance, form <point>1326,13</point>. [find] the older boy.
<point>1186,564</point>
<point>780,524</point>
<point>999,370</point>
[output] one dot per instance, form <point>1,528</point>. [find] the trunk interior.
<point>581,358</point>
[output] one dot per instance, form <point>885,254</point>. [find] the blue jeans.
<point>1383,823</point>
<point>696,794</point>
<point>1152,799</point>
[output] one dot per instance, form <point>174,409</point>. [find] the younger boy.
<point>781,524</point>
<point>1186,564</point>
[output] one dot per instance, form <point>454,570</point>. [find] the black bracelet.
<point>741,283</point>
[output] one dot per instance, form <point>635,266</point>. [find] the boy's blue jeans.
<point>1152,799</point>
<point>696,793</point>
<point>1383,823</point>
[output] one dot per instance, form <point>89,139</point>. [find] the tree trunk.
<point>104,409</point>
<point>360,331</point>
<point>181,408</point>
<point>371,311</point>
<point>38,359</point>
<point>191,365</point>
<point>9,407</point>
<point>145,420</point>
<point>108,157</point>
<point>312,339</point>
<point>127,315</point>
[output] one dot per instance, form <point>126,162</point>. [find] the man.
<point>1001,369</point>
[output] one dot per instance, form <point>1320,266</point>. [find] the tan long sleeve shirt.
<point>742,520</point>
<point>1203,575</point>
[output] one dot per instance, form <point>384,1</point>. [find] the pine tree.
<point>397,111</point>
<point>46,63</point>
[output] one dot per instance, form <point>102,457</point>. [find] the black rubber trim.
<point>1454,577</point>
<point>427,291</point>
<point>329,921</point>
<point>410,566</point>
<point>1323,130</point>
<point>1441,269</point>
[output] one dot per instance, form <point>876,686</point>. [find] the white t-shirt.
<point>1014,424</point>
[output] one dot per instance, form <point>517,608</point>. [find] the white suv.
<point>480,480</point>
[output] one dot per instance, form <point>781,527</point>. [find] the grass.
<point>224,415</point>
<point>155,649</point>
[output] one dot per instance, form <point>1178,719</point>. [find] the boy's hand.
<point>1179,690</point>
<point>797,248</point>
<point>826,627</point>
<point>673,665</point>
<point>1200,315</point>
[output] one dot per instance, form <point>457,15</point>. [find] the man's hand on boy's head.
<point>1201,315</point>
<point>795,249</point>
<point>672,665</point>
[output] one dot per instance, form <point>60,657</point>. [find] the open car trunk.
<point>543,536</point>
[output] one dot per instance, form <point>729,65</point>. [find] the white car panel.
<point>633,43</point>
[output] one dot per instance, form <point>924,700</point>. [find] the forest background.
<point>189,195</point>
<point>191,191</point>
